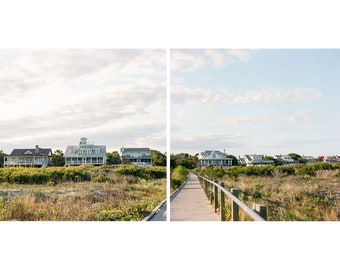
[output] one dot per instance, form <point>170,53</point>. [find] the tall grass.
<point>78,193</point>
<point>291,193</point>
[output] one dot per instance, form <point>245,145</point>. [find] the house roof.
<point>135,149</point>
<point>209,154</point>
<point>134,152</point>
<point>31,152</point>
<point>73,150</point>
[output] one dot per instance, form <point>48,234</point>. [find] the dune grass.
<point>98,194</point>
<point>300,193</point>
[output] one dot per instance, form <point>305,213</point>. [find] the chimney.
<point>36,149</point>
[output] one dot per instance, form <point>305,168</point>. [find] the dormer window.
<point>28,152</point>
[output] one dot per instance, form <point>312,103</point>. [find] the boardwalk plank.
<point>191,203</point>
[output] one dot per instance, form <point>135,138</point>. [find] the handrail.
<point>241,204</point>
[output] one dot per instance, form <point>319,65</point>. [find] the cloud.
<point>48,95</point>
<point>201,142</point>
<point>190,60</point>
<point>200,96</point>
<point>306,146</point>
<point>291,119</point>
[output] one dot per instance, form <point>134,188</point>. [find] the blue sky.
<point>53,97</point>
<point>263,101</point>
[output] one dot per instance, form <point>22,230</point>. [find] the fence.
<point>211,187</point>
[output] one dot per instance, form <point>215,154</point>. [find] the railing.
<point>24,163</point>
<point>211,187</point>
<point>70,163</point>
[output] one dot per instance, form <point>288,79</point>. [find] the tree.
<point>294,156</point>
<point>158,159</point>
<point>234,161</point>
<point>271,158</point>
<point>113,158</point>
<point>302,160</point>
<point>2,156</point>
<point>319,159</point>
<point>58,158</point>
<point>184,160</point>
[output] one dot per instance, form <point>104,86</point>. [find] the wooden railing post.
<point>205,184</point>
<point>211,192</point>
<point>215,196</point>
<point>261,210</point>
<point>208,189</point>
<point>222,203</point>
<point>234,206</point>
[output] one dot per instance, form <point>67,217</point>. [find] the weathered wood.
<point>191,203</point>
<point>234,206</point>
<point>236,202</point>
<point>261,210</point>
<point>215,196</point>
<point>211,192</point>
<point>205,184</point>
<point>222,203</point>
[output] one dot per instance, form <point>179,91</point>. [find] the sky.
<point>256,101</point>
<point>53,97</point>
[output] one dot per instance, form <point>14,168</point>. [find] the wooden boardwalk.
<point>191,203</point>
<point>160,214</point>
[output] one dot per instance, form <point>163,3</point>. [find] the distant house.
<point>29,157</point>
<point>285,159</point>
<point>309,159</point>
<point>252,160</point>
<point>85,153</point>
<point>331,159</point>
<point>213,158</point>
<point>137,156</point>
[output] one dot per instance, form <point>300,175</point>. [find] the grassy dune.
<point>80,194</point>
<point>291,193</point>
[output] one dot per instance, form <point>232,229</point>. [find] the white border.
<point>171,24</point>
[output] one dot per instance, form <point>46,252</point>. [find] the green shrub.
<point>145,173</point>
<point>287,170</point>
<point>156,172</point>
<point>178,176</point>
<point>214,172</point>
<point>100,178</point>
<point>42,176</point>
<point>307,170</point>
<point>50,183</point>
<point>234,172</point>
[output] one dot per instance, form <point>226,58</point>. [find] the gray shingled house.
<point>137,156</point>
<point>29,157</point>
<point>85,153</point>
<point>213,158</point>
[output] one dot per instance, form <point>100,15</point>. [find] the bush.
<point>100,178</point>
<point>156,172</point>
<point>42,176</point>
<point>178,176</point>
<point>287,170</point>
<point>214,172</point>
<point>145,173</point>
<point>307,170</point>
